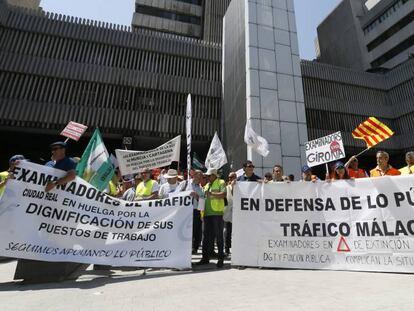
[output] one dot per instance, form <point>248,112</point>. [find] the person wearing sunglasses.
<point>249,174</point>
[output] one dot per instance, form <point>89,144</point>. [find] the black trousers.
<point>197,229</point>
<point>227,235</point>
<point>213,229</point>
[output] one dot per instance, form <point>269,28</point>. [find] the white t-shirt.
<point>165,189</point>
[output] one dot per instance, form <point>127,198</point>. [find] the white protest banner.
<point>74,130</point>
<point>78,223</point>
<point>362,225</point>
<point>324,149</point>
<point>132,162</point>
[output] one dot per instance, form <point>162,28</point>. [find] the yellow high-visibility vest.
<point>144,188</point>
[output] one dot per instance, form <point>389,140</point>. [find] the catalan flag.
<point>372,131</point>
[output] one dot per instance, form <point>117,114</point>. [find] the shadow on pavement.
<point>99,278</point>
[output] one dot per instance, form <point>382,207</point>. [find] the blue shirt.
<point>66,164</point>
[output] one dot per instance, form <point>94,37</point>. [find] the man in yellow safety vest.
<point>148,188</point>
<point>215,192</point>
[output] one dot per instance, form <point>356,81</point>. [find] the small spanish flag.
<point>372,131</point>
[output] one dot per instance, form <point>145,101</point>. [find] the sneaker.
<point>220,263</point>
<point>202,262</point>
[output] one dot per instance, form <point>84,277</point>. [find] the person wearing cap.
<point>215,192</point>
<point>353,170</point>
<point>340,172</point>
<point>170,186</point>
<point>197,193</point>
<point>307,174</point>
<point>249,174</point>
<point>148,188</point>
<point>383,168</point>
<point>61,161</point>
<point>6,175</point>
<point>409,159</point>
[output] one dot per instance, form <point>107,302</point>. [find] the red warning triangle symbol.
<point>343,246</point>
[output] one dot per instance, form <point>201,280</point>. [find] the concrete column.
<point>273,98</point>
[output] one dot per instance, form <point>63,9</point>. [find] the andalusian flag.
<point>96,166</point>
<point>372,131</point>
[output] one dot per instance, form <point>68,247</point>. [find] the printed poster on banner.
<point>360,225</point>
<point>132,162</point>
<point>325,149</point>
<point>78,223</point>
<point>74,130</point>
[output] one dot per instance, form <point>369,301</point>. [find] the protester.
<point>204,180</point>
<point>160,178</point>
<point>148,188</point>
<point>228,212</point>
<point>113,188</point>
<point>33,271</point>
<point>307,174</point>
<point>61,161</point>
<point>249,174</point>
<point>170,186</point>
<point>6,175</point>
<point>197,193</point>
<point>353,170</point>
<point>383,168</point>
<point>409,159</point>
<point>340,171</point>
<point>137,179</point>
<point>215,192</point>
<point>128,190</point>
<point>278,173</point>
<point>268,177</point>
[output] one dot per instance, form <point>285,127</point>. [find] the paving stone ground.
<point>207,288</point>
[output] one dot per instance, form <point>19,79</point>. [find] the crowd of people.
<point>213,196</point>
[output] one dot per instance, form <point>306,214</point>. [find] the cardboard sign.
<point>325,149</point>
<point>74,130</point>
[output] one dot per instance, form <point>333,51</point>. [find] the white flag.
<point>216,157</point>
<point>188,130</point>
<point>256,142</point>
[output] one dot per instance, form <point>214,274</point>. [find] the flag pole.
<point>66,140</point>
<point>362,152</point>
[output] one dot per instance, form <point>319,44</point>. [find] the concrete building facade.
<point>190,18</point>
<point>365,37</point>
<point>263,84</point>
<point>134,83</point>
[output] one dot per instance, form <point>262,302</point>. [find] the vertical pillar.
<point>274,94</point>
